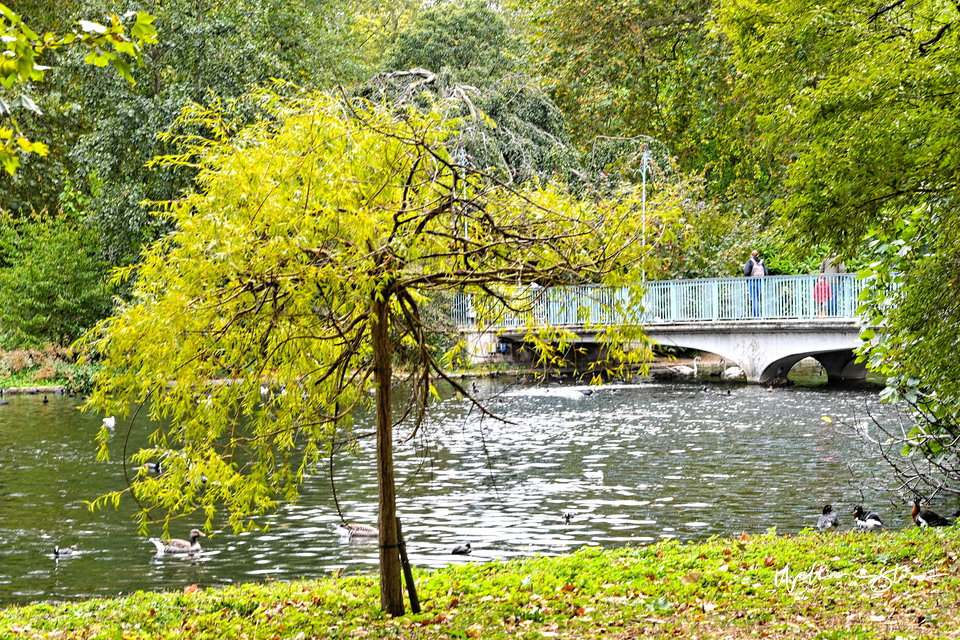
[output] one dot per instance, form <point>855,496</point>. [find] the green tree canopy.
<point>107,130</point>
<point>651,68</point>
<point>465,37</point>
<point>53,285</point>
<point>861,97</point>
<point>509,128</point>
<point>114,43</point>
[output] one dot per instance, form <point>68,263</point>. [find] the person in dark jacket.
<point>755,269</point>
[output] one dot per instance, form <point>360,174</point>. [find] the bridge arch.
<point>838,365</point>
<point>768,349</point>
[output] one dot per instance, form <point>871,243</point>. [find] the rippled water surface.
<point>633,463</point>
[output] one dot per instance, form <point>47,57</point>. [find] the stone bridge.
<point>764,325</point>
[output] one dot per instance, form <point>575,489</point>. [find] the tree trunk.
<point>391,590</point>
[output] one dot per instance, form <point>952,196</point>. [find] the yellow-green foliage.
<point>299,223</point>
<point>846,585</point>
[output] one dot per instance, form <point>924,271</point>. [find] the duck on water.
<point>176,546</point>
<point>360,530</point>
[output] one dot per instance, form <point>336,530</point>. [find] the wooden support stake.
<point>407,571</point>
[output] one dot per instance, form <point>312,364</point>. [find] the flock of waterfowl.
<point>191,547</point>
<point>864,520</point>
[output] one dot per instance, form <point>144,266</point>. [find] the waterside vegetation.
<point>844,585</point>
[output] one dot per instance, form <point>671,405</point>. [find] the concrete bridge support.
<point>764,349</point>
<point>767,349</point>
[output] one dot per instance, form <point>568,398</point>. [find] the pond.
<point>632,464</point>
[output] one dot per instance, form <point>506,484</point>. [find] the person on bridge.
<point>754,269</point>
<point>823,297</point>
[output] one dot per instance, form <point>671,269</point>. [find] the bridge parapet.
<point>667,301</point>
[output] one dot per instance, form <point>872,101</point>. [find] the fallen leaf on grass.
<point>191,589</point>
<point>692,578</point>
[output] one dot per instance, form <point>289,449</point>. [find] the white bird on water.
<point>109,422</point>
<point>361,530</point>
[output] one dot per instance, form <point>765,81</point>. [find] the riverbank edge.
<point>843,585</point>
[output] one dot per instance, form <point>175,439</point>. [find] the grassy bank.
<point>47,367</point>
<point>903,584</point>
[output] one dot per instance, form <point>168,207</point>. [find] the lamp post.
<point>645,164</point>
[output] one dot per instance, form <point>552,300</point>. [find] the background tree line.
<point>802,127</point>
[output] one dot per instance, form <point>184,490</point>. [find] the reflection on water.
<point>631,463</point>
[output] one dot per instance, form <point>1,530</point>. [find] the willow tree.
<point>301,262</point>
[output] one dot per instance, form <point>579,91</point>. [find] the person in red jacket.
<point>822,296</point>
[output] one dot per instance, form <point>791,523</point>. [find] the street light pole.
<point>643,222</point>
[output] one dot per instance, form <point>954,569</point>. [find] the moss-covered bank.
<point>848,585</point>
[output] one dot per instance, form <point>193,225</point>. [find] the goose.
<point>45,400</point>
<point>361,530</point>
<point>178,546</point>
<point>154,467</point>
<point>462,550</point>
<point>567,517</point>
<point>828,520</point>
<point>926,518</point>
<point>866,519</point>
<point>63,553</point>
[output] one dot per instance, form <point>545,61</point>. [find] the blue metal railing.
<point>711,299</point>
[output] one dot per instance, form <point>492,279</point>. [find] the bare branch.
<point>882,10</point>
<point>926,44</point>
